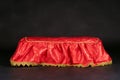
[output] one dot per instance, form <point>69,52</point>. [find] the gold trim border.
<point>14,63</point>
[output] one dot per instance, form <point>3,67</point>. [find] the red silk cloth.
<point>69,51</point>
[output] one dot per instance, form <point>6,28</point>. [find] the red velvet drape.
<point>60,51</point>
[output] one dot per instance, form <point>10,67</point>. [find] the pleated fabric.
<point>60,51</point>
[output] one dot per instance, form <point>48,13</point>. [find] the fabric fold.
<point>60,51</point>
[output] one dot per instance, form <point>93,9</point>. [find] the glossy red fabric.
<point>61,50</point>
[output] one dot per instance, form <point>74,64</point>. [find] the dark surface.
<point>54,73</point>
<point>110,72</point>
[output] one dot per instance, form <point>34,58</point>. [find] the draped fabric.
<point>60,51</point>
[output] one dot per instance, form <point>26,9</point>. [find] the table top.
<point>83,39</point>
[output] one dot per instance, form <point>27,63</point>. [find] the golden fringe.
<point>13,63</point>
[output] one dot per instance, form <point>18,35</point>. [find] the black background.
<point>20,18</point>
